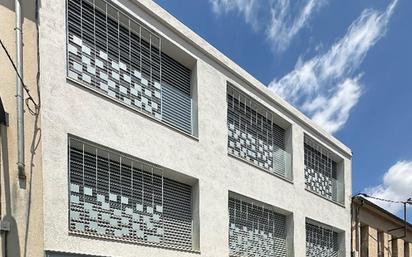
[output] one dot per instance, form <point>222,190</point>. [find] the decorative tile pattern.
<point>255,230</point>
<point>253,135</point>
<point>90,68</point>
<point>118,57</point>
<point>321,242</point>
<point>320,170</point>
<point>115,197</point>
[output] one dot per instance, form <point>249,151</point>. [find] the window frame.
<point>286,215</point>
<point>193,85</point>
<point>276,120</point>
<point>339,163</point>
<point>340,235</point>
<point>158,170</point>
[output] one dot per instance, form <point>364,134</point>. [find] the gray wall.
<point>71,109</point>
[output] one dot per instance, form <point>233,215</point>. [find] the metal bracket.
<point>4,226</point>
<point>394,229</point>
<point>405,225</point>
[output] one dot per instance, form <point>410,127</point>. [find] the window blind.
<point>114,55</point>
<point>320,170</point>
<point>255,230</point>
<point>254,136</point>
<point>117,197</point>
<point>321,241</point>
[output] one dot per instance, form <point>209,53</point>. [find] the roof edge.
<point>362,200</point>
<point>172,23</point>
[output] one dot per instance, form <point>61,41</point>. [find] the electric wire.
<point>409,201</point>
<point>29,97</point>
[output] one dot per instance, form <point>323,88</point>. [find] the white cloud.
<point>328,86</point>
<point>333,113</point>
<point>396,185</point>
<point>284,27</point>
<point>281,20</point>
<point>248,8</point>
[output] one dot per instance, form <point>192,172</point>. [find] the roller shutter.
<point>114,55</point>
<point>117,197</point>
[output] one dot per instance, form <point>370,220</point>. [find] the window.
<point>321,241</point>
<point>118,197</point>
<point>116,56</point>
<point>255,230</point>
<point>321,172</point>
<point>254,136</point>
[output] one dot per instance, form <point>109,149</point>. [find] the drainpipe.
<point>355,218</point>
<point>358,239</point>
<point>19,92</point>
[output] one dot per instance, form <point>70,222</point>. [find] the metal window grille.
<point>112,54</point>
<point>255,230</point>
<point>321,241</point>
<point>320,170</point>
<point>254,136</point>
<point>117,197</point>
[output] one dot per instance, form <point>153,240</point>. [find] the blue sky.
<point>346,64</point>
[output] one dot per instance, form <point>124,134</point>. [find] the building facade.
<point>377,232</point>
<point>147,141</point>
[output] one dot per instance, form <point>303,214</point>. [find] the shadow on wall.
<point>10,243</point>
<point>36,138</point>
<point>35,142</point>
<point>28,7</point>
<point>387,249</point>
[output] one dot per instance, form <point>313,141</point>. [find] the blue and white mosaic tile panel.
<point>256,231</point>
<point>320,171</point>
<point>121,199</point>
<point>254,137</point>
<point>116,56</point>
<point>321,242</point>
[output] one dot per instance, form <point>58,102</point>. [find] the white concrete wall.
<point>69,108</point>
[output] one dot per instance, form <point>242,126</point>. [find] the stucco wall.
<point>370,218</point>
<point>376,227</point>
<point>71,109</point>
<point>21,200</point>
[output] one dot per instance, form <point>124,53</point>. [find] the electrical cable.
<point>404,203</point>
<point>29,98</point>
<point>409,201</point>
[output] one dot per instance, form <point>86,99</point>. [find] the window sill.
<point>329,200</point>
<point>143,244</point>
<point>260,168</point>
<point>116,101</point>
